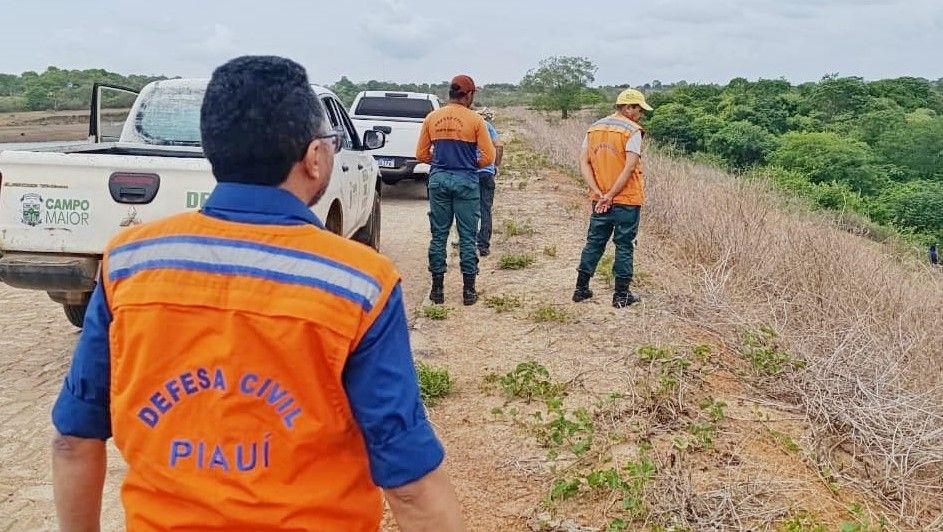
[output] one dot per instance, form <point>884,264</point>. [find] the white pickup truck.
<point>400,116</point>
<point>60,206</point>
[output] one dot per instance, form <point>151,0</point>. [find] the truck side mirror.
<point>384,129</point>
<point>373,139</point>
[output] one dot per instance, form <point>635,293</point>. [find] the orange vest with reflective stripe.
<point>606,140</point>
<point>228,342</point>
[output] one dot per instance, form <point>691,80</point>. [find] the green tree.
<point>871,126</point>
<point>705,127</point>
<point>832,195</point>
<point>908,92</point>
<point>788,180</point>
<point>57,88</point>
<point>658,99</point>
<point>38,98</point>
<point>346,90</point>
<point>705,97</point>
<point>559,83</point>
<point>675,124</point>
<point>804,124</point>
<point>917,205</point>
<point>915,146</point>
<point>838,197</point>
<point>837,99</point>
<point>10,85</point>
<point>742,144</point>
<point>502,95</point>
<point>827,157</point>
<point>766,103</point>
<point>592,97</point>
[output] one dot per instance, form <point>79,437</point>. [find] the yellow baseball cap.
<point>632,96</point>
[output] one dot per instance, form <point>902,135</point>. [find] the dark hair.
<point>258,117</point>
<point>456,92</point>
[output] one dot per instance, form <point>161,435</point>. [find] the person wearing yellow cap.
<point>611,164</point>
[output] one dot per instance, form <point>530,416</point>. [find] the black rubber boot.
<point>469,295</point>
<point>437,295</point>
<point>622,297</point>
<point>582,292</point>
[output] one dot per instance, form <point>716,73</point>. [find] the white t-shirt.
<point>633,145</point>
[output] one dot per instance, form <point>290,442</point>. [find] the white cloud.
<point>219,40</point>
<point>394,29</point>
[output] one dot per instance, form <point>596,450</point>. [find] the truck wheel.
<point>75,313</point>
<point>335,220</point>
<point>369,234</point>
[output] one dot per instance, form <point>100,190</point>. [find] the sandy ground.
<point>41,126</point>
<point>501,473</point>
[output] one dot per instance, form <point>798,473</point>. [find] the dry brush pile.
<point>866,319</point>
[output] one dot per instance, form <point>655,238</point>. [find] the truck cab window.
<point>336,116</point>
<point>170,116</point>
<point>348,126</point>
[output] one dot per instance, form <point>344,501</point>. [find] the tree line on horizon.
<point>844,143</point>
<point>57,89</point>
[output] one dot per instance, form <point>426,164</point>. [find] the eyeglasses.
<point>336,136</point>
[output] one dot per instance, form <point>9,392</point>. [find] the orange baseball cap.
<point>463,83</point>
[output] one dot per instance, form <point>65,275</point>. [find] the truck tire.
<point>335,220</point>
<point>369,234</point>
<point>75,313</point>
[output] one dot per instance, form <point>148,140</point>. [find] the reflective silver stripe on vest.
<point>244,258</point>
<point>617,123</point>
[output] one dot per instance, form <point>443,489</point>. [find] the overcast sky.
<point>493,40</point>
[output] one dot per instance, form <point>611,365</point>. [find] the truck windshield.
<point>393,107</point>
<point>170,116</point>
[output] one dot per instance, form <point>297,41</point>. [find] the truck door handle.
<point>345,167</point>
<point>133,187</point>
<point>132,194</point>
<point>359,167</point>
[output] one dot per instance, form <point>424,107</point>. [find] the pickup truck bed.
<point>400,116</point>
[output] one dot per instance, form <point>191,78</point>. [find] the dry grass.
<point>865,317</point>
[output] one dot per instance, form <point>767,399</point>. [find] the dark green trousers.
<point>621,223</point>
<point>453,195</point>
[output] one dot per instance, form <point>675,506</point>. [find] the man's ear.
<point>312,159</point>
